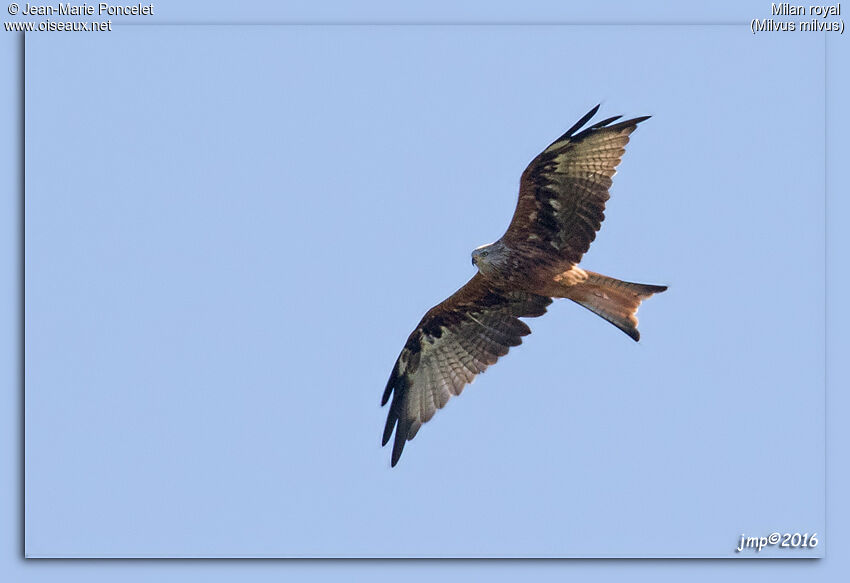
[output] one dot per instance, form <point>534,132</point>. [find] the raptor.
<point>561,206</point>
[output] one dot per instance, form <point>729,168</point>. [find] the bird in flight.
<point>561,205</point>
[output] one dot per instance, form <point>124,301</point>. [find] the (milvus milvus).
<point>562,197</point>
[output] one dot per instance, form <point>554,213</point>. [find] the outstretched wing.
<point>455,341</point>
<point>563,192</point>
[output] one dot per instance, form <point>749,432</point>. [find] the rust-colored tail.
<point>616,301</point>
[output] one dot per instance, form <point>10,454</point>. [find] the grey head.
<point>489,257</point>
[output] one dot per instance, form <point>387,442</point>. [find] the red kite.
<point>562,197</point>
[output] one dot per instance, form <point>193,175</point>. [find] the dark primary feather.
<point>563,192</point>
<point>454,341</point>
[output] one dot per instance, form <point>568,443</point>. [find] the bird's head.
<point>479,254</point>
<point>486,256</point>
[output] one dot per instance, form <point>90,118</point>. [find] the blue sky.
<point>218,335</point>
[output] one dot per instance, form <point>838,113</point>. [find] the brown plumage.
<point>561,207</point>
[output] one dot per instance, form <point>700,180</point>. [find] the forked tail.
<point>616,301</point>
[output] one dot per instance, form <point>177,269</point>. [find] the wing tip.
<point>398,445</point>
<point>580,123</point>
<point>389,426</point>
<point>392,382</point>
<point>632,123</point>
<point>577,133</point>
<point>627,126</point>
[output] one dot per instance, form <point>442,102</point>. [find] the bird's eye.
<point>483,254</point>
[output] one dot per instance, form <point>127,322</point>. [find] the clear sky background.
<point>231,230</point>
